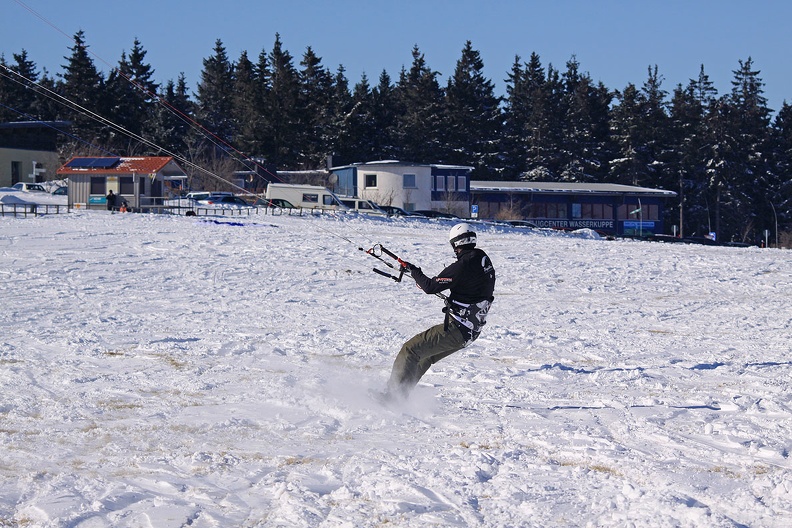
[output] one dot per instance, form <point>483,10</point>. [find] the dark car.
<point>275,202</point>
<point>61,191</point>
<point>522,223</point>
<point>396,211</point>
<point>435,214</point>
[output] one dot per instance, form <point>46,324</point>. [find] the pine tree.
<point>687,138</point>
<point>18,89</point>
<point>585,144</point>
<point>83,85</point>
<point>780,189</point>
<point>171,125</point>
<point>315,103</point>
<point>753,170</point>
<point>737,162</point>
<point>514,141</point>
<point>353,122</point>
<point>262,141</point>
<point>420,131</point>
<point>545,124</point>
<point>246,107</point>
<point>214,105</point>
<point>386,107</point>
<point>627,168</point>
<point>690,140</point>
<point>341,107</point>
<point>132,95</point>
<point>282,144</point>
<point>46,106</point>
<point>473,117</point>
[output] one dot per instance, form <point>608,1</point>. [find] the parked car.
<point>522,223</point>
<point>225,201</point>
<point>275,202</point>
<point>61,191</point>
<point>28,187</point>
<point>363,206</point>
<point>397,211</point>
<point>200,196</point>
<point>435,214</point>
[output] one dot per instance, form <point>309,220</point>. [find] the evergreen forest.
<point>728,156</point>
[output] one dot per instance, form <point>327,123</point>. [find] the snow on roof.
<point>403,164</point>
<point>142,164</point>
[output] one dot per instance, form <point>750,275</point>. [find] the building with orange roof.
<point>142,182</point>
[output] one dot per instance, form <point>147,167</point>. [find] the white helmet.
<point>462,235</point>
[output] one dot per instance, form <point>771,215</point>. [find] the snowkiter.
<point>471,281</point>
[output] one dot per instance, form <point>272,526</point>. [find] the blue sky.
<point>615,41</point>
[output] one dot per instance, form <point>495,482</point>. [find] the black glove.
<point>407,266</point>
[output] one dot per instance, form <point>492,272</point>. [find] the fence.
<point>29,209</point>
<point>241,211</point>
<point>25,210</point>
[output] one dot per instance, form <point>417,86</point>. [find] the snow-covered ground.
<point>163,371</point>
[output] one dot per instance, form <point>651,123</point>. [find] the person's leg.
<point>421,352</point>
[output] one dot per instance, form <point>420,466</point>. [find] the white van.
<point>305,196</point>
<point>363,206</point>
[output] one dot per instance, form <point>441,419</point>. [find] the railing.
<point>197,210</point>
<point>29,209</point>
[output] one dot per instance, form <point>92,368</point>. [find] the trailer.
<point>306,196</point>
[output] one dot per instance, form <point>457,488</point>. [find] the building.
<point>410,186</point>
<point>142,181</point>
<point>28,150</point>
<point>605,207</point>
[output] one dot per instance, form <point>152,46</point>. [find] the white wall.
<point>390,188</point>
<point>26,159</point>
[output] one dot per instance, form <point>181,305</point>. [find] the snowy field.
<point>165,371</point>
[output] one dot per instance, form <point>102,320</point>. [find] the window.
<point>126,185</point>
<point>633,212</point>
<point>98,184</point>
<point>462,183</point>
<point>409,181</point>
<point>548,210</point>
<point>371,180</point>
<point>310,198</point>
<point>440,183</point>
<point>598,211</point>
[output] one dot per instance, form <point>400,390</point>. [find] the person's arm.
<point>441,282</point>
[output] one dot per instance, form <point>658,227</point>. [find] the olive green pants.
<point>420,353</point>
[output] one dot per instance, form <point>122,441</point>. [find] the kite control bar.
<point>377,251</point>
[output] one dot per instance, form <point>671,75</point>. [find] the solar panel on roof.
<point>95,163</point>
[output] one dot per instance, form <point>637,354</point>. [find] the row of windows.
<point>439,183</point>
<point>450,183</point>
<point>126,185</point>
<point>408,181</point>
<point>590,211</point>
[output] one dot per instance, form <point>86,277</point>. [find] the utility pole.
<point>776,223</point>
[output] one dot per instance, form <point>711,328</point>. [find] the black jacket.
<point>471,281</point>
